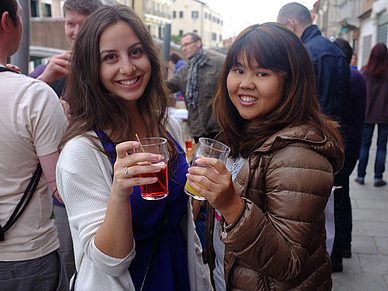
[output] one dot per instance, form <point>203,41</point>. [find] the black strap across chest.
<point>28,193</point>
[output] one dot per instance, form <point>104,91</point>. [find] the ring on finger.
<point>126,171</point>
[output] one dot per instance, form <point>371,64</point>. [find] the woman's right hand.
<point>128,167</point>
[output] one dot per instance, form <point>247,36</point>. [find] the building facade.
<point>363,23</point>
<point>196,16</point>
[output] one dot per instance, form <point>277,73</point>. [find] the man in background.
<point>332,72</point>
<point>197,80</point>
<point>332,76</point>
<point>353,139</point>
<point>55,73</point>
<point>32,123</point>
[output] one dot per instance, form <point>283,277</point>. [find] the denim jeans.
<point>380,153</point>
<point>42,274</point>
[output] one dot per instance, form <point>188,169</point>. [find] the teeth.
<point>248,98</point>
<point>128,82</point>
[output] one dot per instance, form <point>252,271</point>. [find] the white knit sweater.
<point>84,180</point>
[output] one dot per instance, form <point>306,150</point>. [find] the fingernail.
<point>157,168</point>
<point>154,157</point>
<point>136,144</point>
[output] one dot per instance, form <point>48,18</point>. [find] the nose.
<point>76,30</point>
<point>127,67</point>
<point>247,83</point>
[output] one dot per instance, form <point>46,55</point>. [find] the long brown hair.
<point>273,47</point>
<point>92,107</point>
<point>377,66</point>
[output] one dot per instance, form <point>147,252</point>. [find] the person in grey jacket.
<point>197,80</point>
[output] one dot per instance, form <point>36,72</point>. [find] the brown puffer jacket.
<point>278,242</point>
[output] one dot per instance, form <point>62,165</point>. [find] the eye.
<point>238,71</point>
<point>261,74</point>
<point>109,57</point>
<point>136,52</point>
<point>70,24</point>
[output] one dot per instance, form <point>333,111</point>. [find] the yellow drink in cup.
<point>189,190</point>
<point>208,148</point>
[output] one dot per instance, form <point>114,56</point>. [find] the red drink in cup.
<point>159,189</point>
<point>158,146</point>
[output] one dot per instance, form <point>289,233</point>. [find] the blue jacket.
<point>332,73</point>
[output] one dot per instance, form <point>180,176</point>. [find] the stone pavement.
<point>367,269</point>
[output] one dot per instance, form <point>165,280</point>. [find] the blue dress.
<point>168,270</point>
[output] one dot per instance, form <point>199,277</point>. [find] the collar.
<point>309,33</point>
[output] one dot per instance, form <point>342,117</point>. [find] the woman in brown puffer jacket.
<point>266,225</point>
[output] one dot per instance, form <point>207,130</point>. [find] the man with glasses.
<point>197,80</point>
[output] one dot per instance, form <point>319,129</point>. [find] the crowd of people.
<point>287,102</point>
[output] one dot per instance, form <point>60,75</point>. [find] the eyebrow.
<point>238,64</point>
<point>113,50</point>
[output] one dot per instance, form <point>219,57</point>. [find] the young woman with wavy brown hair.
<point>116,91</point>
<point>266,222</point>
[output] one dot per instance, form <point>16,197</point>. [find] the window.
<point>366,48</point>
<point>220,38</point>
<point>46,10</point>
<point>382,28</point>
<point>194,14</point>
<point>205,15</point>
<point>196,31</point>
<point>214,36</point>
<point>34,8</point>
<point>148,6</point>
<point>174,14</point>
<point>180,32</point>
<point>180,14</point>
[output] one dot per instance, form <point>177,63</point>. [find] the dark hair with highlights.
<point>92,107</point>
<point>273,47</point>
<point>377,66</point>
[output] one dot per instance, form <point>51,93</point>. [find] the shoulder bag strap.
<point>2,69</point>
<point>27,193</point>
<point>23,203</point>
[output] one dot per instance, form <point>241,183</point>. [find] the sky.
<point>239,14</point>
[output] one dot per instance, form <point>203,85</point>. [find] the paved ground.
<point>367,270</point>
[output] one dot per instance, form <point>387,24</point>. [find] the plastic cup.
<point>208,148</point>
<point>159,189</point>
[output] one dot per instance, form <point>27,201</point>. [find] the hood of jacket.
<point>306,133</point>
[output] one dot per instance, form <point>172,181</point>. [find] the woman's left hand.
<point>219,189</point>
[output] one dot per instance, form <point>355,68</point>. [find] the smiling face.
<point>254,91</point>
<point>125,68</point>
<point>72,23</point>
